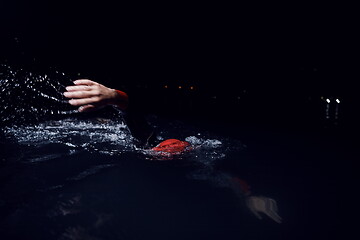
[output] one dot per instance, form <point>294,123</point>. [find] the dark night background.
<point>262,66</point>
<point>264,63</point>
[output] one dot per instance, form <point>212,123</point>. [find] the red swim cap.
<point>172,146</point>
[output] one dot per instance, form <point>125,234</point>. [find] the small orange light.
<point>191,88</point>
<point>180,87</point>
<point>166,86</point>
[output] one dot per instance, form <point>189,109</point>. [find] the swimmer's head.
<point>172,146</point>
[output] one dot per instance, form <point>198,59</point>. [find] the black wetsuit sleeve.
<point>135,119</point>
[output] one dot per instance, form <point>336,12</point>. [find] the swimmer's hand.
<point>90,96</point>
<point>263,205</point>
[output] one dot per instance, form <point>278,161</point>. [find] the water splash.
<point>205,148</point>
<point>29,97</point>
<point>35,113</point>
<point>95,135</point>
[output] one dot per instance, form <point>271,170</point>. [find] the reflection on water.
<point>86,179</point>
<point>331,111</point>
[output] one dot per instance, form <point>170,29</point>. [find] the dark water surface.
<point>66,176</point>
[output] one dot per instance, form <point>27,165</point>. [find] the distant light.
<point>322,98</point>
<point>328,100</point>
<point>180,87</point>
<point>166,86</point>
<point>337,100</point>
<point>192,88</point>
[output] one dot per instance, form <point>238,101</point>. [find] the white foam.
<point>106,137</point>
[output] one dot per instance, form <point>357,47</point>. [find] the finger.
<point>85,82</point>
<point>273,205</point>
<point>80,94</point>
<point>273,211</point>
<point>255,213</point>
<point>274,216</point>
<point>78,88</point>
<point>87,108</point>
<point>84,101</point>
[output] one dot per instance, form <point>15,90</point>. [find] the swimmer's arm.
<point>90,96</point>
<point>256,204</point>
<point>263,205</point>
